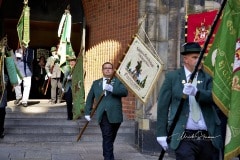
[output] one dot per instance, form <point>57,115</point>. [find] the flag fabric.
<point>78,91</point>
<point>199,25</point>
<point>23,26</point>
<point>223,63</point>
<point>64,32</point>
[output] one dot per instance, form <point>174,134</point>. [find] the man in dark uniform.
<point>109,111</point>
<point>197,134</point>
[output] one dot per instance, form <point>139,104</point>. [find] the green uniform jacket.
<point>67,83</point>
<point>111,103</point>
<point>169,99</point>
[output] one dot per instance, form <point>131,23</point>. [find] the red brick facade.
<point>111,24</point>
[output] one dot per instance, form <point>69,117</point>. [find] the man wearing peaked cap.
<point>53,70</point>
<point>197,128</point>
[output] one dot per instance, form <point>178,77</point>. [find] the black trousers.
<point>196,145</point>
<point>109,133</point>
<point>69,100</point>
<point>3,105</point>
<point>2,119</point>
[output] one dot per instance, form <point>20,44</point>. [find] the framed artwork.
<point>140,69</point>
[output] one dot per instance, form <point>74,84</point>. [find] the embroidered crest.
<point>201,32</point>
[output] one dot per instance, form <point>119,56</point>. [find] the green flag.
<point>223,63</point>
<point>23,26</point>
<point>64,32</point>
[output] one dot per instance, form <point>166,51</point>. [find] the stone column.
<point>164,41</point>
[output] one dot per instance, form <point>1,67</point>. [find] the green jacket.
<point>67,83</point>
<point>169,99</point>
<point>111,103</point>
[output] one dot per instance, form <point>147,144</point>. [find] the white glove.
<point>163,142</point>
<point>69,77</point>
<point>49,75</point>
<point>190,89</point>
<point>63,90</point>
<point>108,87</point>
<point>46,77</point>
<point>55,56</point>
<point>87,117</point>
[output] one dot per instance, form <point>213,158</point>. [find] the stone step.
<point>63,137</point>
<point>43,122</point>
<point>26,129</point>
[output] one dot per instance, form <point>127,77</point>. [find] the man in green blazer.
<point>67,85</point>
<point>109,111</point>
<point>197,134</point>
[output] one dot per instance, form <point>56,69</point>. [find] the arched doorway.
<point>45,16</point>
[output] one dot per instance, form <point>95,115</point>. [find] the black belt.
<point>195,135</point>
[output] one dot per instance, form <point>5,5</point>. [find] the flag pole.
<point>177,115</point>
<point>186,19</point>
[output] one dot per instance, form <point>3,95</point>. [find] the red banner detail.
<point>199,26</point>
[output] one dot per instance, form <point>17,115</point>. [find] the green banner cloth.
<point>23,26</point>
<point>78,91</point>
<point>223,63</point>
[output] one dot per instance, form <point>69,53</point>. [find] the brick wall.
<point>111,24</point>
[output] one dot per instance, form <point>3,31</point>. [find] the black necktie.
<point>107,79</point>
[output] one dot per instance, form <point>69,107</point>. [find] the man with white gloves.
<point>109,110</point>
<point>197,134</point>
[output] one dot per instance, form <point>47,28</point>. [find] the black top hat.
<point>191,47</point>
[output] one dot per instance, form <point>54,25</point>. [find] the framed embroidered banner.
<point>140,69</point>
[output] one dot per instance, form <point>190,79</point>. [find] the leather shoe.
<point>17,101</point>
<point>53,102</point>
<point>2,135</point>
<point>24,104</point>
<point>58,101</point>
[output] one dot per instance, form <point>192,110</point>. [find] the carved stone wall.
<point>165,28</point>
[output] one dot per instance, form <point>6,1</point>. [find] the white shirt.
<point>200,125</point>
<point>104,83</point>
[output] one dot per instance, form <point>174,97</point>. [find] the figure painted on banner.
<point>137,69</point>
<point>54,72</point>
<point>67,85</point>
<point>24,59</point>
<point>109,112</point>
<point>39,75</point>
<point>197,134</point>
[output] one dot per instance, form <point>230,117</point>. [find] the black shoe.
<point>17,101</point>
<point>24,104</point>
<point>53,102</point>
<point>58,101</point>
<point>2,135</point>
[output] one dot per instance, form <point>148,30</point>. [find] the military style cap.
<point>191,47</point>
<point>71,57</point>
<point>53,49</point>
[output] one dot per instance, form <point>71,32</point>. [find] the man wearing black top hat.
<point>197,134</point>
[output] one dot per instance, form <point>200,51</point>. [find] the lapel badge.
<point>198,82</point>
<point>183,81</point>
